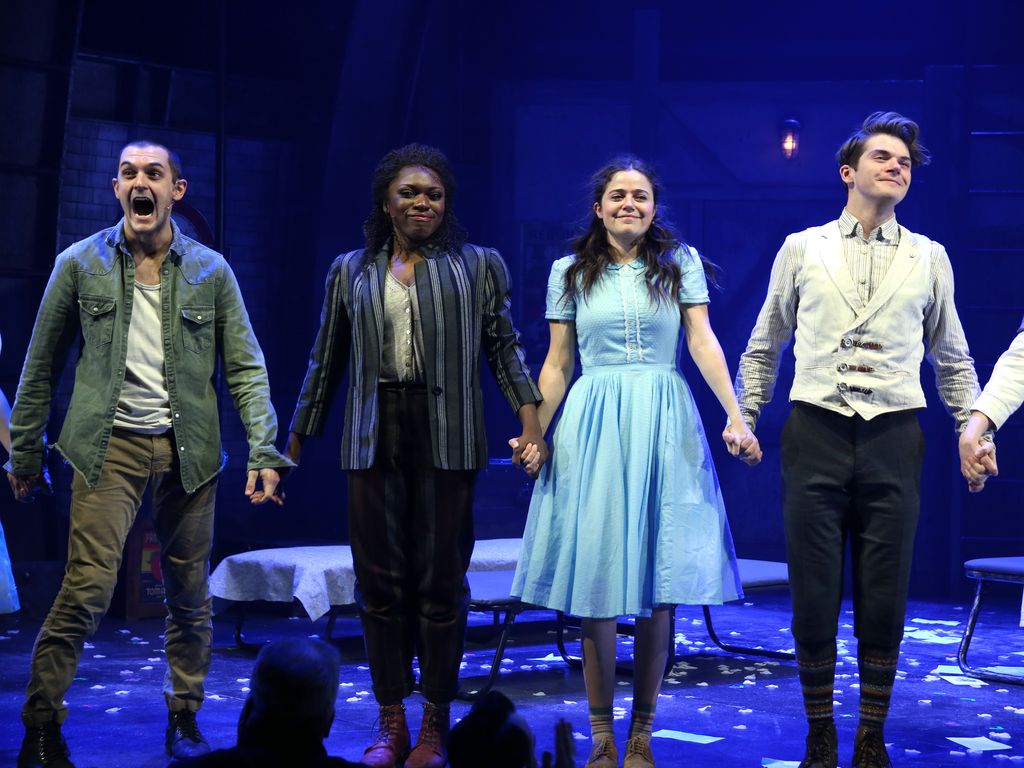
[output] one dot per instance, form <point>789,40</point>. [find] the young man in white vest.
<point>865,300</point>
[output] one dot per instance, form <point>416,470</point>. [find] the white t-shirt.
<point>144,405</point>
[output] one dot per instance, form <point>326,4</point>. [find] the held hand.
<point>986,455</point>
<point>978,463</point>
<point>529,451</point>
<point>742,443</point>
<point>517,452</point>
<point>977,455</point>
<point>528,457</point>
<point>27,487</point>
<point>270,481</point>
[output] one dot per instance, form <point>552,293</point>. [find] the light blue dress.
<point>627,514</point>
<point>8,591</point>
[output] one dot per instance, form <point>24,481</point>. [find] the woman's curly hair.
<point>378,229</point>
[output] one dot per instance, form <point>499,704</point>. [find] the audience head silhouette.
<point>288,713</point>
<point>492,734</point>
<point>292,692</point>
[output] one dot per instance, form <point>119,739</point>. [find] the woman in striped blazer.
<point>407,318</point>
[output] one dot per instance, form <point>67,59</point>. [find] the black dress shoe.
<point>44,747</point>
<point>183,737</point>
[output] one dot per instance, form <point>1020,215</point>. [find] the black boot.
<point>183,736</point>
<point>869,749</point>
<point>822,745</point>
<point>44,747</point>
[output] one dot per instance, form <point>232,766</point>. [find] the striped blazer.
<point>464,307</point>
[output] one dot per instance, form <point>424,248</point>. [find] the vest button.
<point>437,390</point>
<point>842,367</point>
<point>847,342</point>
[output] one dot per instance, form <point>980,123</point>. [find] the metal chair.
<point>1009,570</point>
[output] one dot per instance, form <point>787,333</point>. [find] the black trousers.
<point>850,479</point>
<point>411,532</point>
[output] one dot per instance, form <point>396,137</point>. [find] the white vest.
<point>870,354</point>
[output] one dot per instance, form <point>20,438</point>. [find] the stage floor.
<point>716,709</point>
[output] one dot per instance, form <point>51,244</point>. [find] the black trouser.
<point>847,478</point>
<point>411,531</point>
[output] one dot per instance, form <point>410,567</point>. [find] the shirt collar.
<point>888,232</point>
<point>174,250</point>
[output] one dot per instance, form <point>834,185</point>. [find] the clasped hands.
<point>529,452</point>
<point>977,453</point>
<point>742,443</point>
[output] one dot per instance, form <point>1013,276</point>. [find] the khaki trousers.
<point>100,520</point>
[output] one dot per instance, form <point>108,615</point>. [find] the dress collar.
<point>637,265</point>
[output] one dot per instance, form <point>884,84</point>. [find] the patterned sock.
<point>601,722</point>
<point>816,663</point>
<point>641,721</point>
<point>877,672</point>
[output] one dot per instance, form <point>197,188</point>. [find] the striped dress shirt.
<point>464,301</point>
<point>868,256</point>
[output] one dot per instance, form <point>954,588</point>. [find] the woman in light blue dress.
<point>8,592</point>
<point>627,517</point>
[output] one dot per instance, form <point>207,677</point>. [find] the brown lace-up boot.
<point>429,751</point>
<point>391,746</point>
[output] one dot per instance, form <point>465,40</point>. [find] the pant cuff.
<point>439,696</point>
<point>393,695</point>
<point>174,704</point>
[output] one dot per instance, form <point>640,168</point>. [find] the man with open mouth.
<point>151,312</point>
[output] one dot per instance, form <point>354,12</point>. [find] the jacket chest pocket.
<point>97,318</point>
<point>197,327</point>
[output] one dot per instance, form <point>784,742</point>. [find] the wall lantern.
<point>790,135</point>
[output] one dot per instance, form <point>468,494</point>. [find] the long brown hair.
<point>657,247</point>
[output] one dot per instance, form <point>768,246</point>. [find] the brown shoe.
<point>391,746</point>
<point>430,751</point>
<point>638,753</point>
<point>604,754</point>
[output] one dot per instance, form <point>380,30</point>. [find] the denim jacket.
<point>88,303</point>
